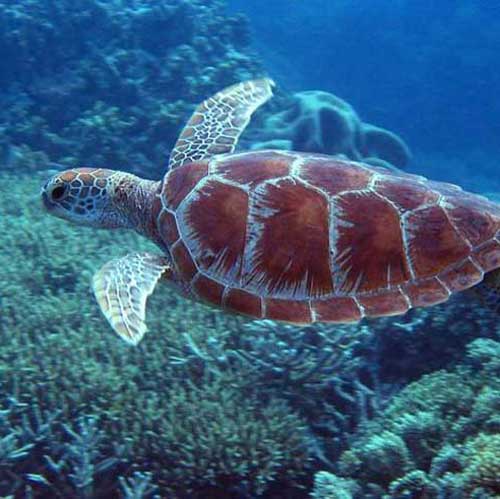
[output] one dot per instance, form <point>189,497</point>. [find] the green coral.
<point>330,486</point>
<point>414,485</point>
<point>443,393</point>
<point>217,434</point>
<point>439,437</point>
<point>192,430</point>
<point>482,464</point>
<point>89,82</point>
<point>378,459</point>
<point>205,392</point>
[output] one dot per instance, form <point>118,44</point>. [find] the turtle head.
<point>85,196</point>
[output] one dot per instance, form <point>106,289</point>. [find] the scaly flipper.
<point>122,287</point>
<point>217,123</point>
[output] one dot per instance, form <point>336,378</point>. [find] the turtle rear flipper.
<point>122,287</point>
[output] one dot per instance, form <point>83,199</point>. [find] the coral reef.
<point>329,486</point>
<point>132,410</point>
<point>269,403</point>
<point>318,370</point>
<point>439,437</point>
<point>317,121</point>
<point>111,83</point>
<point>219,437</point>
<point>211,405</point>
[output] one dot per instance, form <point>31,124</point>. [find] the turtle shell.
<point>303,238</point>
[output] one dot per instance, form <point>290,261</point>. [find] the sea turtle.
<point>280,235</point>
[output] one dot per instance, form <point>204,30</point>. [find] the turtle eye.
<point>58,192</point>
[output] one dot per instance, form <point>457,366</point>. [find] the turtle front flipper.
<point>122,287</point>
<point>217,123</point>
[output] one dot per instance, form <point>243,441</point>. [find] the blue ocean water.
<point>215,405</point>
<point>428,70</point>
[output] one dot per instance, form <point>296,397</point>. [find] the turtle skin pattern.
<point>303,238</point>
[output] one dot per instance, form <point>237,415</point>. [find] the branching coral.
<point>138,486</point>
<point>266,381</point>
<point>328,374</point>
<point>437,438</point>
<point>59,356</point>
<point>482,464</point>
<point>134,58</point>
<point>44,457</point>
<point>216,437</point>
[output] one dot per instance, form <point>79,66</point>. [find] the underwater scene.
<point>235,260</point>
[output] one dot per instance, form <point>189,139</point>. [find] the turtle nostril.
<point>58,192</point>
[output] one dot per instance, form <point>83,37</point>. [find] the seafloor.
<point>209,405</point>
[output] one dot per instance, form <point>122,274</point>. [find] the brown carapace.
<point>303,238</point>
<point>280,235</point>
